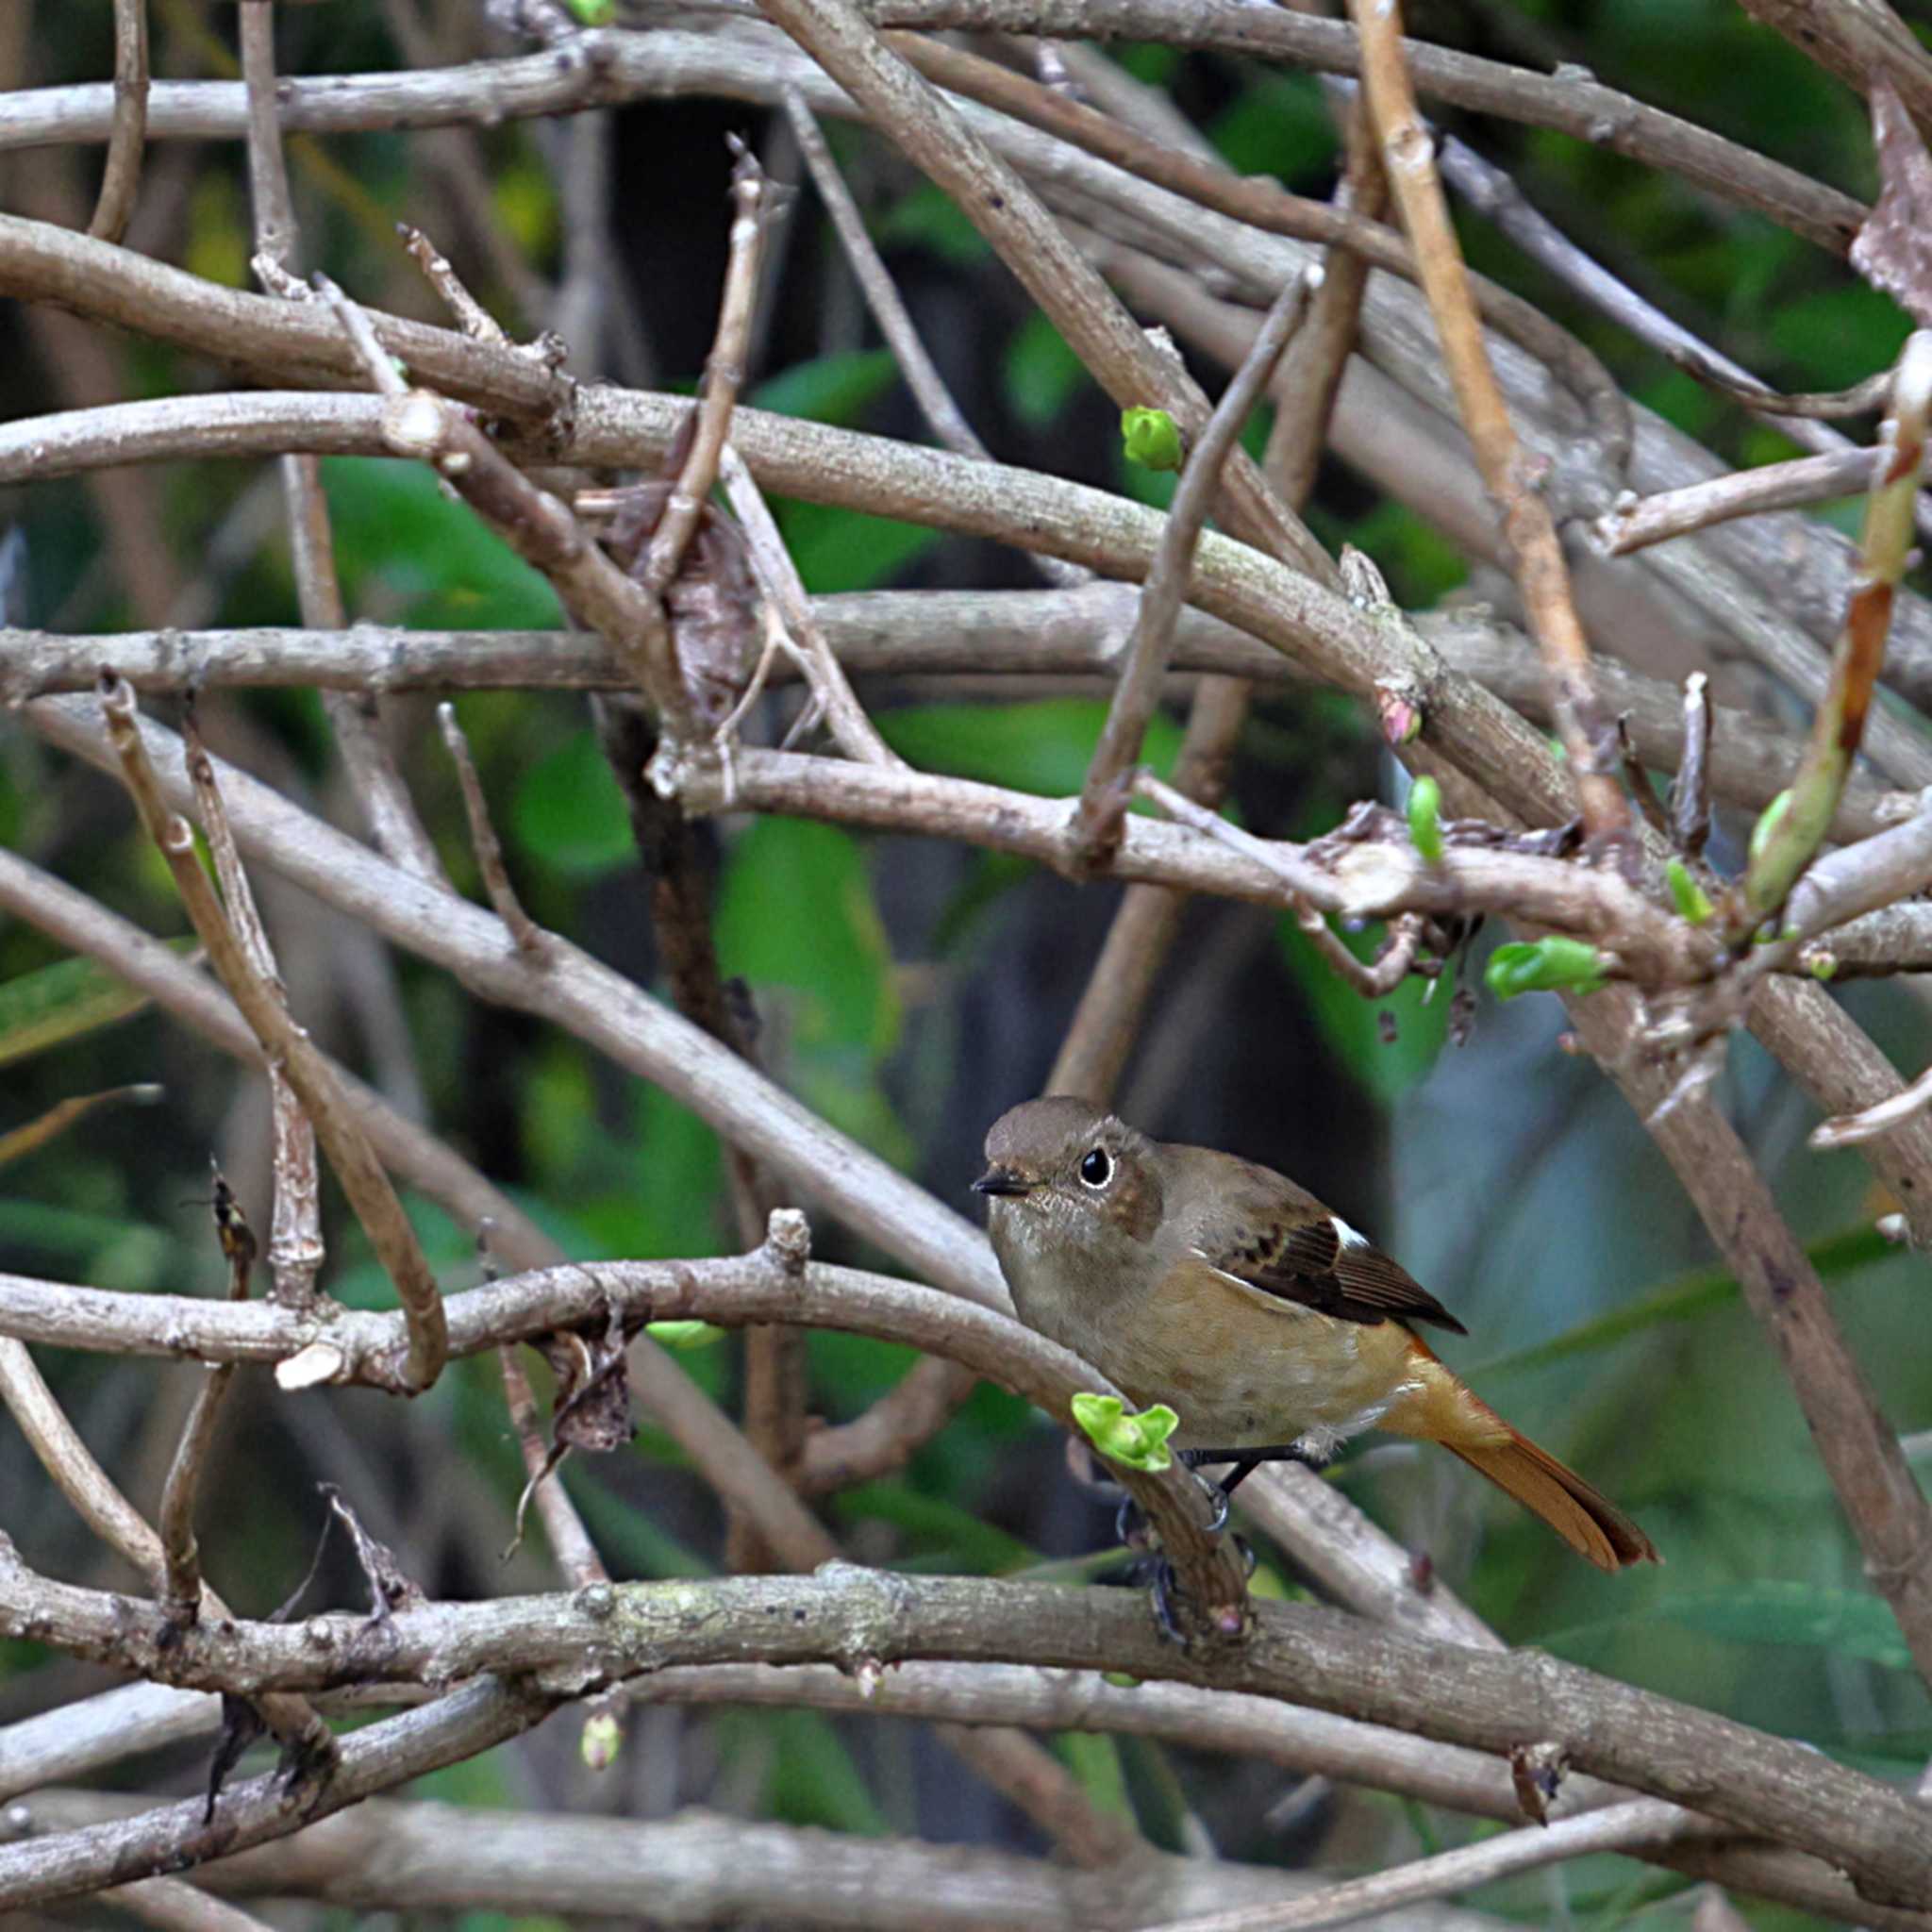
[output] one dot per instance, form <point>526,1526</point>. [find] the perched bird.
<point>1274,1329</point>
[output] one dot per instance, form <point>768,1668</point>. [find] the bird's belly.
<point>1248,1376</point>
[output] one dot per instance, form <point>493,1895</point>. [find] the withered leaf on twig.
<point>713,602</point>
<point>593,1411</point>
<point>1894,250</point>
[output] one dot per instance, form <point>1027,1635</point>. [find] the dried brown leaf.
<point>1894,250</point>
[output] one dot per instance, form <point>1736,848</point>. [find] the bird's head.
<point>1062,1170</point>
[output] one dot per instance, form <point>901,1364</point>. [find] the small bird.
<point>1190,1278</point>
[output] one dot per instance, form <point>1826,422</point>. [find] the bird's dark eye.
<point>1096,1168</point>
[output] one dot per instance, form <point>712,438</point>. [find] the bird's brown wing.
<point>1324,1264</point>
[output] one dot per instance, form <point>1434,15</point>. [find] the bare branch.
<point>1068,290</point>
<point>1537,560</point>
<point>106,1511</point>
<point>778,577</point>
<point>295,1248</point>
<point>1263,204</point>
<point>615,67</point>
<point>723,376</point>
<point>284,1042</point>
<point>1103,798</point>
<point>1017,636</point>
<point>529,937</point>
<point>1849,1130</point>
<point>181,1561</point>
<point>1640,1824</point>
<point>1762,1785</point>
<point>1788,835</point>
<point>121,176</point>
<point>1639,521</point>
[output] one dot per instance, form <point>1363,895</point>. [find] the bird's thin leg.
<point>1245,1462</point>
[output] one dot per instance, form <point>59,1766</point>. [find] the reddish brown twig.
<point>1528,527</point>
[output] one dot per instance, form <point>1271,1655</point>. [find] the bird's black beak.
<point>1001,1180</point>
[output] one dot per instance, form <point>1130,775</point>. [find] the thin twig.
<point>471,317</point>
<point>542,531</point>
<point>1101,1032</point>
<point>368,1187</point>
<point>529,937</point>
<point>1790,833</point>
<point>1641,1823</point>
<point>175,1521</point>
<point>1538,558</point>
<point>723,376</point>
<point>778,576</point>
<point>1860,399</point>
<point>1314,365</point>
<point>100,1505</point>
<point>1851,1130</point>
<point>18,1143</point>
<point>576,1553</point>
<point>1690,793</point>
<point>1492,191</point>
<point>1010,214</point>
<point>353,716</point>
<point>296,1246</point>
<point>1265,205</point>
<point>943,414</point>
<point>1640,521</point>
<point>1103,802</point>
<point>620,68</point>
<point>126,144</point>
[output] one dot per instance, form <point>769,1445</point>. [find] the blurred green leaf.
<point>1839,336</point>
<point>927,217</point>
<point>568,812</point>
<point>1766,1610</point>
<point>1279,124</point>
<point>423,560</point>
<point>1094,1759</point>
<point>1686,1299</point>
<point>680,1337</point>
<point>1043,747</point>
<point>1153,63</point>
<point>842,550</point>
<point>790,879</point>
<point>814,1781</point>
<point>678,1174</point>
<point>1353,1026</point>
<point>63,1000</point>
<point>1426,819</point>
<point>1042,372</point>
<point>829,388</point>
<point>950,1537</point>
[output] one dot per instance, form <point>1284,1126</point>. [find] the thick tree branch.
<point>1298,1652</point>
<point>615,67</point>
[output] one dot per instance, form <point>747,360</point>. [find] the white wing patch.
<point>1284,1305</point>
<point>1348,1236</point>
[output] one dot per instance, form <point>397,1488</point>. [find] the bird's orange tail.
<point>1586,1519</point>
